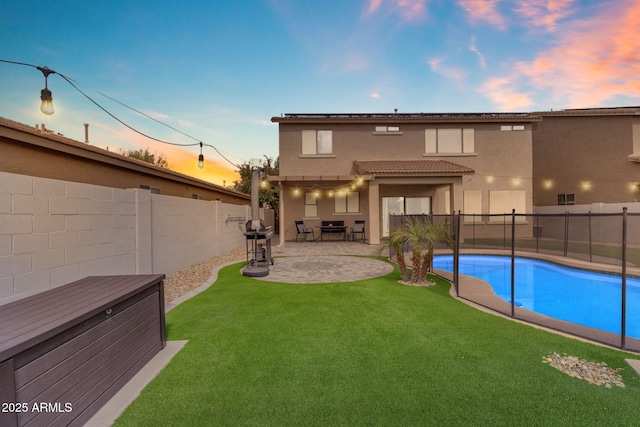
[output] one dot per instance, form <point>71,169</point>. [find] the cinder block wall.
<point>54,232</point>
<point>187,231</point>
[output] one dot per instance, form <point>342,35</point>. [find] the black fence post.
<point>456,255</point>
<point>504,231</point>
<point>623,329</point>
<point>566,233</point>
<point>538,232</point>
<point>590,240</point>
<point>474,230</point>
<point>513,262</point>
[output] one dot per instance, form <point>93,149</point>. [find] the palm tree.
<point>436,234</point>
<point>422,237</point>
<point>397,241</point>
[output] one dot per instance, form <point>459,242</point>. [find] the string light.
<point>330,190</point>
<point>47,108</point>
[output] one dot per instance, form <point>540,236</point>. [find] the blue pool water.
<point>578,296</point>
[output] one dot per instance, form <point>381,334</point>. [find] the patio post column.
<point>281,213</point>
<point>374,212</point>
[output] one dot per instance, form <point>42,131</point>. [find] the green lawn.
<point>371,352</point>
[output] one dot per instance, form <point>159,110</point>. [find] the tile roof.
<point>410,167</point>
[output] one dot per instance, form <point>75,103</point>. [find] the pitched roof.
<point>56,142</point>
<point>410,167</point>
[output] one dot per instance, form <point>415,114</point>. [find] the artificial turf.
<point>371,352</point>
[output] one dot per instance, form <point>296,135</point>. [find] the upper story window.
<point>317,142</point>
<point>449,141</point>
<point>381,130</point>
<point>511,127</point>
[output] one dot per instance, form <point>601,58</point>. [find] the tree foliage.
<point>421,237</point>
<point>146,156</point>
<point>269,196</point>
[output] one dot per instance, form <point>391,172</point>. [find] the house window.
<point>153,190</point>
<point>472,205</point>
<point>504,201</point>
<point>387,129</point>
<point>347,202</point>
<point>310,205</point>
<point>511,127</point>
<point>566,199</point>
<point>449,141</point>
<point>316,142</point>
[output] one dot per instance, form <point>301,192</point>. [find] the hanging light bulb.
<point>45,94</point>
<point>47,102</point>
<point>201,158</point>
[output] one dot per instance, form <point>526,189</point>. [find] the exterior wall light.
<point>45,94</point>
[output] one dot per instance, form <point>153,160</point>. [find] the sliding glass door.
<point>403,206</point>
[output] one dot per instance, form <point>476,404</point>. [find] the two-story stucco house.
<point>585,156</point>
<point>348,167</point>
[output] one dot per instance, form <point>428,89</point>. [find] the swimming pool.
<point>578,296</point>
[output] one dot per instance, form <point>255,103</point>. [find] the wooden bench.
<point>333,227</point>
<point>73,347</point>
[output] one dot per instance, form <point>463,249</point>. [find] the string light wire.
<point>71,82</point>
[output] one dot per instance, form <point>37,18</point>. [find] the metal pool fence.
<point>602,242</point>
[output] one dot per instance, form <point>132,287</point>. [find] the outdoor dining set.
<point>334,227</point>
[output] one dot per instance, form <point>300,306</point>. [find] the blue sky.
<point>218,71</point>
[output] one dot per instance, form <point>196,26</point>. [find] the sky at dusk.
<point>219,70</point>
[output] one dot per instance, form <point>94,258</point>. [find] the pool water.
<point>578,296</point>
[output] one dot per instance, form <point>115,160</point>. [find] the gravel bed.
<point>183,281</point>
<point>593,373</point>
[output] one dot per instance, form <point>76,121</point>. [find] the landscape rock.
<point>593,373</point>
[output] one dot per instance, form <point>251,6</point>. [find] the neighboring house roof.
<point>410,167</point>
<point>406,118</point>
<point>603,111</point>
<point>49,140</point>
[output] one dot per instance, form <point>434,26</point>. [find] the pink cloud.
<point>412,10</point>
<point>483,10</point>
<point>595,60</point>
<point>545,13</point>
<point>592,61</point>
<point>373,6</point>
<point>502,93</point>
<point>409,10</point>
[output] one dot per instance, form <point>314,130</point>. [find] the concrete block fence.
<point>54,232</point>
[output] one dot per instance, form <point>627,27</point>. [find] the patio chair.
<point>358,228</point>
<point>302,229</point>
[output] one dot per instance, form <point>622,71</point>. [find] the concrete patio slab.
<point>325,269</point>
